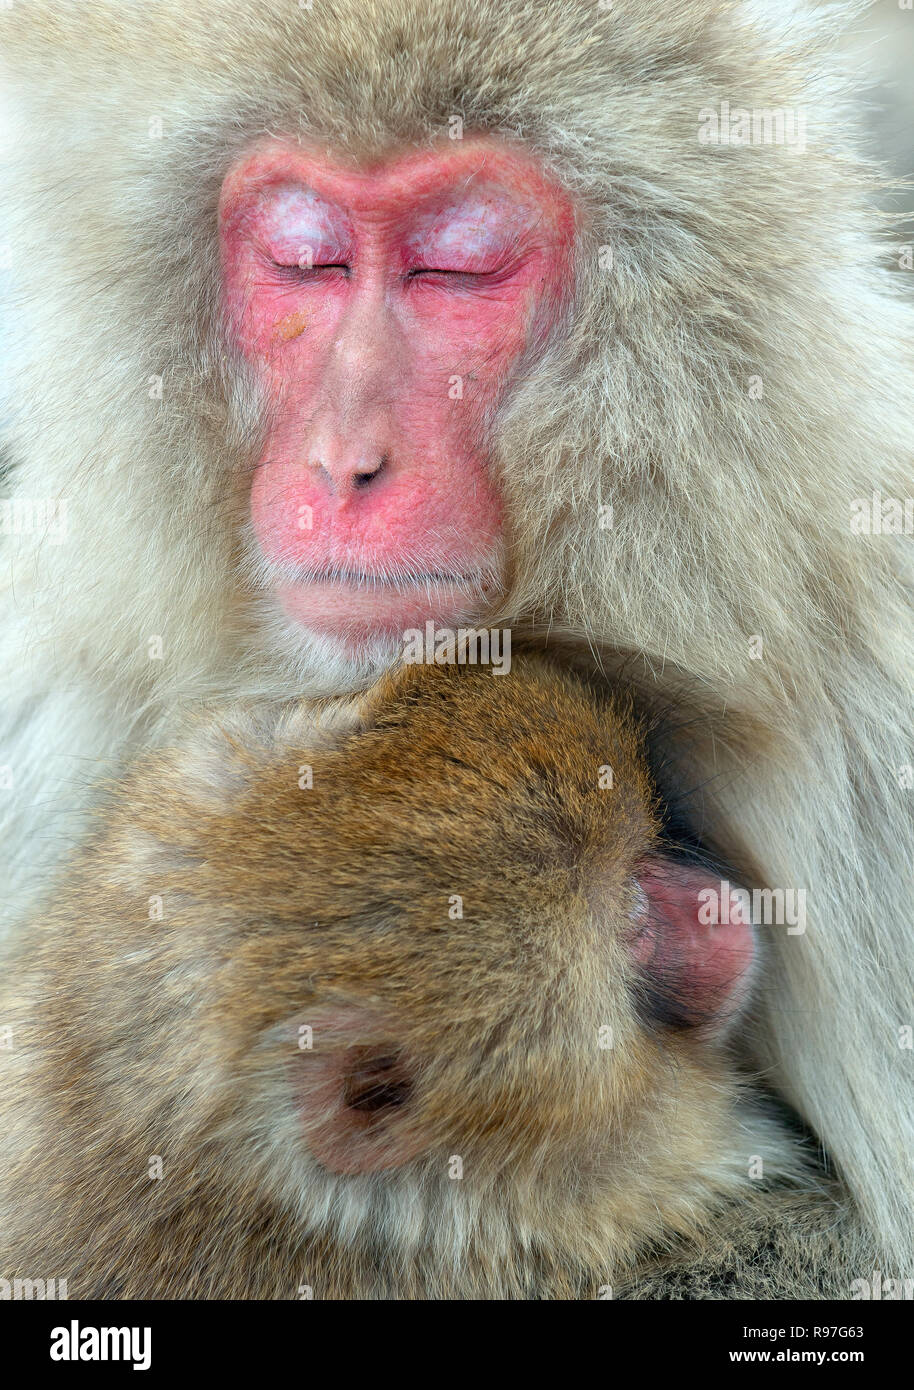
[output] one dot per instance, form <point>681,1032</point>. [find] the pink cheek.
<point>285,512</point>
<point>481,333</point>
<point>267,320</point>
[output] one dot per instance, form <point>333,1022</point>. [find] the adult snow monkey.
<point>333,320</point>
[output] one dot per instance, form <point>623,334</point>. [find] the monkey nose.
<point>367,475</point>
<point>344,477</point>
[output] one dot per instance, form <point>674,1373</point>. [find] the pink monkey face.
<point>384,309</point>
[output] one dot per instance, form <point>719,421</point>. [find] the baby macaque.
<point>408,997</point>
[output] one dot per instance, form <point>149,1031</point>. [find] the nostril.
<point>368,476</point>
<point>375,1081</point>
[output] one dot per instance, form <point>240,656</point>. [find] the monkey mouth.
<point>380,579</point>
<point>361,607</point>
<point>357,602</point>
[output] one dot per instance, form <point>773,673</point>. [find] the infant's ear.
<point>693,945</point>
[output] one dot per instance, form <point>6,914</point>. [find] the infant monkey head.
<point>407,997</point>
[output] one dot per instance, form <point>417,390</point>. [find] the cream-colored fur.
<point>731,511</point>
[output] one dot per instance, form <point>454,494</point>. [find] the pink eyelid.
<point>477,238</point>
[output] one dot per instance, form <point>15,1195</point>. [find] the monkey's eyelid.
<point>440,270</point>
<point>296,269</point>
<point>304,271</point>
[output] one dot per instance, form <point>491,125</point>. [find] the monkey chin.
<point>338,631</point>
<point>319,663</point>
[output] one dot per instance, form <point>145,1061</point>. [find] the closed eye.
<point>437,270</point>
<point>436,277</point>
<point>303,271</point>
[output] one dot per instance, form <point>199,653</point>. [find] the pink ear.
<point>693,943</point>
<point>353,1090</point>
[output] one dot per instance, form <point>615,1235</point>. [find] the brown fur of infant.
<point>397,999</point>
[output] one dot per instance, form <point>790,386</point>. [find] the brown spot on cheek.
<point>292,326</point>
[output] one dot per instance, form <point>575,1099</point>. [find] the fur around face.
<point>162,1133</point>
<point>731,509</point>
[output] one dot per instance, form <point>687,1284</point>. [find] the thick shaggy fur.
<point>584,1166</point>
<point>731,511</point>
